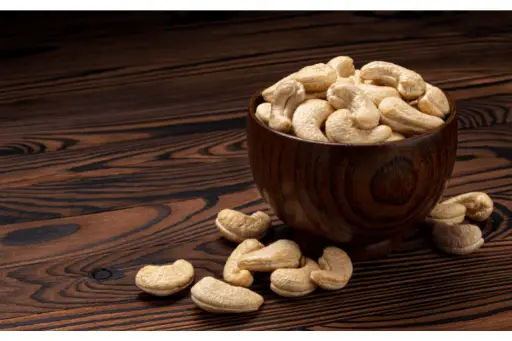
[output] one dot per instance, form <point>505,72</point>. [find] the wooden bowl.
<point>363,198</point>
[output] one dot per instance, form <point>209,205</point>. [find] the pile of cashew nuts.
<point>334,102</point>
<point>293,274</point>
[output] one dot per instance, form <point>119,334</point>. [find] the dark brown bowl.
<point>363,198</point>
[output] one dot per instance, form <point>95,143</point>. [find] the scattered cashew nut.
<point>479,206</point>
<point>409,83</point>
<point>458,239</point>
<point>165,280</point>
<point>404,119</point>
<point>216,296</point>
<point>232,273</point>
<point>318,77</point>
<point>294,282</point>
<point>283,253</point>
<point>237,227</point>
<point>263,112</point>
<point>343,65</point>
<point>340,127</point>
<point>309,117</point>
<point>287,97</point>
<point>378,93</point>
<point>269,93</point>
<point>344,95</point>
<point>434,102</point>
<point>336,269</point>
<point>447,213</point>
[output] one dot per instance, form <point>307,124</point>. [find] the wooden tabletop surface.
<point>123,135</point>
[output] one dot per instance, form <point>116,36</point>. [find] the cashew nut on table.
<point>283,253</point>
<point>165,280</point>
<point>216,296</point>
<point>237,227</point>
<point>336,269</point>
<point>232,273</point>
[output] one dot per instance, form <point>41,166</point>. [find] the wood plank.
<point>68,183</point>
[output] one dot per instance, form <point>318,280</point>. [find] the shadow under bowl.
<point>363,198</point>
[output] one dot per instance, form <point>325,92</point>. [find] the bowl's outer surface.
<point>363,198</point>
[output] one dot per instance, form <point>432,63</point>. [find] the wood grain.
<point>124,135</point>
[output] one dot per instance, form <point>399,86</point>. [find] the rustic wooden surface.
<point>123,136</point>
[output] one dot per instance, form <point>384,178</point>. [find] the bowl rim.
<point>258,95</point>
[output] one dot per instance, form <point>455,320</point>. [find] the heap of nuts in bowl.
<point>334,102</point>
<point>293,274</point>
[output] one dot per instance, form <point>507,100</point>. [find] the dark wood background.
<point>123,135</point>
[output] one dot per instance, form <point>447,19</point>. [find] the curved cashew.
<point>395,137</point>
<point>378,93</point>
<point>269,93</point>
<point>447,213</point>
<point>403,118</point>
<point>340,128</point>
<point>237,227</point>
<point>308,119</point>
<point>434,102</point>
<point>263,112</point>
<point>294,282</point>
<point>479,206</point>
<point>344,95</point>
<point>457,239</point>
<point>410,84</point>
<point>215,296</point>
<point>165,280</point>
<point>343,65</point>
<point>336,269</point>
<point>287,97</point>
<point>283,253</point>
<point>318,77</point>
<point>232,273</point>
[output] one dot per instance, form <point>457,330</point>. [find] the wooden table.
<point>123,135</point>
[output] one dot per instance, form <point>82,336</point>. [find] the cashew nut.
<point>447,213</point>
<point>479,206</point>
<point>309,117</point>
<point>215,296</point>
<point>336,269</point>
<point>232,273</point>
<point>237,227</point>
<point>318,77</point>
<point>268,93</point>
<point>283,253</point>
<point>165,280</point>
<point>378,93</point>
<point>395,137</point>
<point>403,118</point>
<point>294,282</point>
<point>344,95</point>
<point>457,239</point>
<point>408,83</point>
<point>263,112</point>
<point>343,65</point>
<point>340,127</point>
<point>287,97</point>
<point>434,102</point>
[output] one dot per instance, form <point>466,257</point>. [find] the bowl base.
<point>313,246</point>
